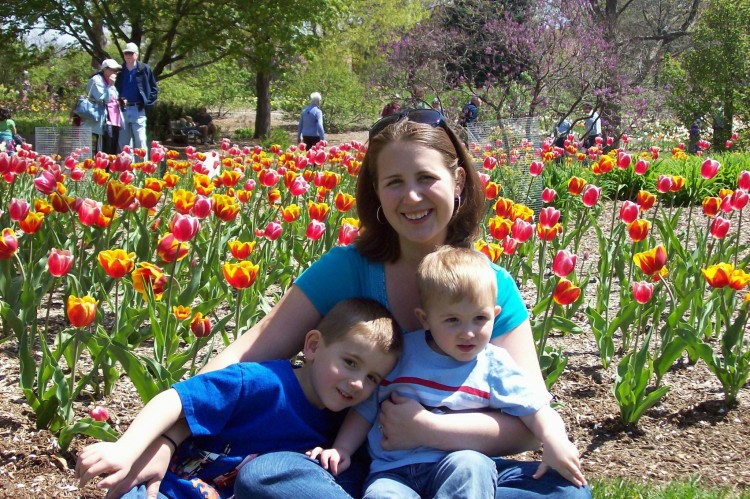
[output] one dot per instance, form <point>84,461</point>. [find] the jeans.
<point>139,492</point>
<point>133,129</point>
<point>463,474</point>
<point>293,475</point>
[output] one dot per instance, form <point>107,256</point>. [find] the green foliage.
<point>217,86</point>
<point>162,112</point>
<point>244,133</point>
<point>278,136</point>
<point>691,488</point>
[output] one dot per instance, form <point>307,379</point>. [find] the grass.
<point>689,489</point>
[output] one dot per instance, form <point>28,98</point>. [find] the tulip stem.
<point>49,306</point>
<point>548,318</point>
<point>117,308</point>
<point>737,241</point>
<point>237,314</point>
<point>168,303</point>
<point>20,266</point>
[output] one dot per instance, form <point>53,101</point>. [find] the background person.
<point>137,90</point>
<point>417,190</point>
<point>204,123</point>
<point>7,128</point>
<point>592,126</point>
<point>393,107</point>
<point>470,112</point>
<point>561,131</point>
<point>101,89</point>
<point>310,129</point>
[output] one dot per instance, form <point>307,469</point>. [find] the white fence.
<point>62,140</point>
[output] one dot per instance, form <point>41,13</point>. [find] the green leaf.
<point>86,426</point>
<point>144,383</point>
<point>566,325</point>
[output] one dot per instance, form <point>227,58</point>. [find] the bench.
<point>178,134</point>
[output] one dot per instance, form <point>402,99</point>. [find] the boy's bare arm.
<point>351,436</point>
<point>116,458</point>
<point>559,452</point>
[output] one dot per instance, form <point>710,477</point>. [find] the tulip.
<point>664,184</point>
<point>564,263</point>
<point>46,183</point>
<point>32,222</point>
<point>739,199</point>
<point>653,261</point>
<point>711,206</point>
<point>184,227</point>
<point>317,211</point>
<point>273,196</point>
<point>290,213</point>
<point>89,211</point>
<point>200,325</point>
<point>59,262</point>
<point>116,262</point>
<point>81,311</point>
<point>171,249</point>
<point>489,163</point>
<point>315,230</point>
<point>641,166</point>
<point>546,233</point>
<point>347,234</point>
<point>299,186</point>
<point>149,274</point>
<point>273,231</point>
<point>548,195</point>
<point>268,178</point>
<point>522,230</point>
<point>148,198</point>
<point>678,182</point>
<point>720,227</point>
<point>739,279</point>
<point>510,245</point>
<point>643,291</point>
<point>549,216</point>
<point>99,413</point>
<point>629,212</point>
<point>623,160</point>
<point>241,250</point>
<point>344,202</point>
<point>18,209</point>
<point>491,190</point>
<point>718,276</point>
<point>122,162</point>
<point>230,177</point>
<point>576,185</point>
<point>591,195</point>
<point>709,168</point>
<point>120,195</point>
<point>645,200</point>
<point>181,313</point>
<point>743,181</point>
<point>504,208</point>
<point>638,229</point>
<point>8,244</point>
<point>225,207</point>
<point>535,169</point>
<point>493,251</point>
<point>240,275</point>
<point>566,292</point>
<point>202,207</point>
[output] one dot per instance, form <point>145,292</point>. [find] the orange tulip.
<point>711,205</point>
<point>42,206</point>
<point>181,313</point>
<point>148,197</point>
<point>576,185</point>
<point>638,229</point>
<point>241,250</point>
<point>317,211</point>
<point>226,207</point>
<point>8,244</point>
<point>492,250</point>
<point>60,202</point>
<point>678,183</point>
<point>491,190</point>
<point>32,222</point>
<point>652,262</point>
<point>290,213</point>
<point>566,292</point>
<point>739,279</point>
<point>120,195</point>
<point>718,276</point>
<point>240,275</point>
<point>100,177</point>
<point>645,200</point>
<point>170,249</point>
<point>344,202</point>
<point>523,212</point>
<point>202,184</point>
<point>230,177</point>
<point>116,262</point>
<point>499,227</point>
<point>170,179</point>
<point>548,233</point>
<point>504,208</point>
<point>154,184</point>
<point>183,201</point>
<point>81,311</point>
<point>244,196</point>
<point>149,274</point>
<point>273,196</point>
<point>200,325</point>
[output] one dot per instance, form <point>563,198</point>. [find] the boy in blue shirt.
<point>248,409</point>
<point>449,367</point>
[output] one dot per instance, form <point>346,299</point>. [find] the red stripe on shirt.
<point>438,386</point>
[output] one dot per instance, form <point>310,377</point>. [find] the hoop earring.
<point>456,204</point>
<point>377,215</point>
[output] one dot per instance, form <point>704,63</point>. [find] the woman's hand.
<point>149,468</point>
<point>404,422</point>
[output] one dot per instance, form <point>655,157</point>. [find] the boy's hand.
<point>101,458</point>
<point>334,460</point>
<point>562,455</point>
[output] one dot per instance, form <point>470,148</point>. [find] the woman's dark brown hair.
<point>378,241</point>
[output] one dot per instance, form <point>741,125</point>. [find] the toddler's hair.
<point>366,317</point>
<point>455,274</point>
<point>4,114</point>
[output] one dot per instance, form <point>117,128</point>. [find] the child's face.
<point>459,329</point>
<point>345,373</point>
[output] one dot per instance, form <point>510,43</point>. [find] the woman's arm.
<point>278,335</point>
<point>407,425</point>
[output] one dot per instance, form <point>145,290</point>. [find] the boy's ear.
<point>313,340</point>
<point>422,316</point>
<point>498,308</point>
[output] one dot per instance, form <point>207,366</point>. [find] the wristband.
<point>169,439</point>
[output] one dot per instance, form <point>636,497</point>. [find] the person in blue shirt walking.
<point>310,129</point>
<point>137,89</point>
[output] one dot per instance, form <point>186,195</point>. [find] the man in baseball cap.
<point>137,88</point>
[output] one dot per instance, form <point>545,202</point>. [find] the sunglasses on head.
<point>424,116</point>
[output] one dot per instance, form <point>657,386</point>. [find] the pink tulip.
<point>76,174</point>
<point>319,157</point>
<point>624,138</point>
<point>489,163</point>
<point>157,155</point>
<point>46,183</point>
<point>347,234</point>
<point>643,291</point>
<point>4,162</point>
<point>728,144</point>
<point>315,230</point>
<point>548,217</point>
<point>268,178</point>
<point>654,152</point>
<point>664,184</point>
<point>743,182</point>
<point>485,179</point>
<point>739,199</point>
<point>202,206</point>
<point>510,244</point>
<point>726,204</point>
<point>641,166</point>
<point>523,230</point>
<point>703,144</point>
<point>720,227</point>
<point>184,227</point>
<point>548,195</point>
<point>591,194</point>
<point>273,231</point>
<point>18,209</point>
<point>623,160</point>
<point>127,177</point>
<point>89,211</point>
<point>298,186</point>
<point>629,211</point>
<point>122,162</point>
<point>59,262</point>
<point>99,413</point>
<point>564,263</point>
<point>250,185</point>
<point>70,162</point>
<point>535,169</point>
<point>709,168</point>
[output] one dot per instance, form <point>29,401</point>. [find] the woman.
<point>417,190</point>
<point>101,89</point>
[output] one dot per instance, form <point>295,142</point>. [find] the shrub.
<point>278,136</point>
<point>244,133</point>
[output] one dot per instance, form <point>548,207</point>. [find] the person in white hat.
<point>100,89</point>
<point>310,129</point>
<point>137,89</point>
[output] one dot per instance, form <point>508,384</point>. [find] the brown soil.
<point>690,434</point>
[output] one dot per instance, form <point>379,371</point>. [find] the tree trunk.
<point>263,106</point>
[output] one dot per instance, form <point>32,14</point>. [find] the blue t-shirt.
<point>344,273</point>
<point>442,384</point>
<point>129,90</point>
<point>237,412</point>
